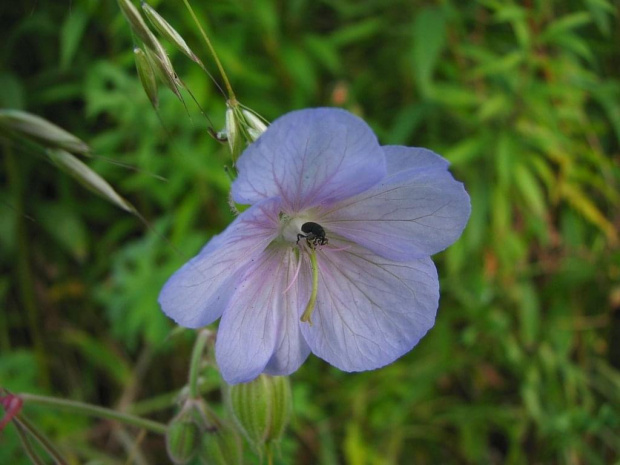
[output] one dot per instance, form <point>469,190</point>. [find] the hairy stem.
<point>46,444</point>
<point>95,411</point>
<point>194,368</point>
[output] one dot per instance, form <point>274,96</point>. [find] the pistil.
<point>306,316</point>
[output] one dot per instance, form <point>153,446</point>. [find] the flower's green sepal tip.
<point>241,208</point>
<point>183,437</point>
<point>262,409</point>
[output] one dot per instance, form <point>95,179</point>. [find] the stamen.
<point>305,317</point>
<point>296,274</point>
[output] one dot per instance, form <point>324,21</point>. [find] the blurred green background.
<point>523,98</point>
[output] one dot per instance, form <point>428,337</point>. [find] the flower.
<point>359,299</point>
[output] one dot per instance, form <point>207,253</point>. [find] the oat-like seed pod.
<point>164,73</point>
<point>146,75</point>
<point>167,31</point>
<point>21,123</point>
<point>137,24</point>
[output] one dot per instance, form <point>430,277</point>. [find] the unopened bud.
<point>262,408</point>
<point>256,126</point>
<point>27,125</point>
<point>282,400</point>
<point>233,134</point>
<point>183,437</point>
<point>222,446</point>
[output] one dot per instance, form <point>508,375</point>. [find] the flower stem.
<point>22,432</point>
<point>306,316</point>
<point>231,94</point>
<point>95,411</point>
<point>194,368</point>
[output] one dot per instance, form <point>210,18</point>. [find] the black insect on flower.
<point>314,234</point>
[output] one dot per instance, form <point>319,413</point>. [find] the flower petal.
<point>399,158</point>
<point>412,213</point>
<point>309,158</point>
<point>370,310</point>
<point>197,294</point>
<point>259,330</point>
<point>291,349</point>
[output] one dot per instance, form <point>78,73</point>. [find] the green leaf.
<point>467,150</point>
<point>495,106</point>
<point>505,155</point>
<point>65,226</point>
<point>575,44</point>
<point>530,189</point>
<point>501,64</point>
<point>11,91</point>
<point>323,51</point>
<point>602,11</point>
<point>71,35</point>
<point>566,24</point>
<point>529,313</point>
<point>454,96</point>
<point>584,205</point>
<point>406,122</point>
<point>429,39</point>
<point>300,68</point>
<point>99,354</point>
<point>357,32</point>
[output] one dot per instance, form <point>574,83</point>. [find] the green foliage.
<point>522,97</point>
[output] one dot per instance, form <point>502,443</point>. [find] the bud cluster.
<point>243,126</point>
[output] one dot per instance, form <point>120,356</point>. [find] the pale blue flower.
<point>384,210</point>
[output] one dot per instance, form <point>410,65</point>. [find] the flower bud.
<point>222,446</point>
<point>233,134</point>
<point>282,399</point>
<point>183,437</point>
<point>262,408</point>
<point>256,126</point>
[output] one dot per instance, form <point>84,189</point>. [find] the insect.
<point>314,234</point>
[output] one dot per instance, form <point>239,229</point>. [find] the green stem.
<point>95,411</point>
<point>231,94</point>
<point>30,452</point>
<point>195,364</point>
<point>24,275</point>
<point>305,317</point>
<point>49,447</point>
